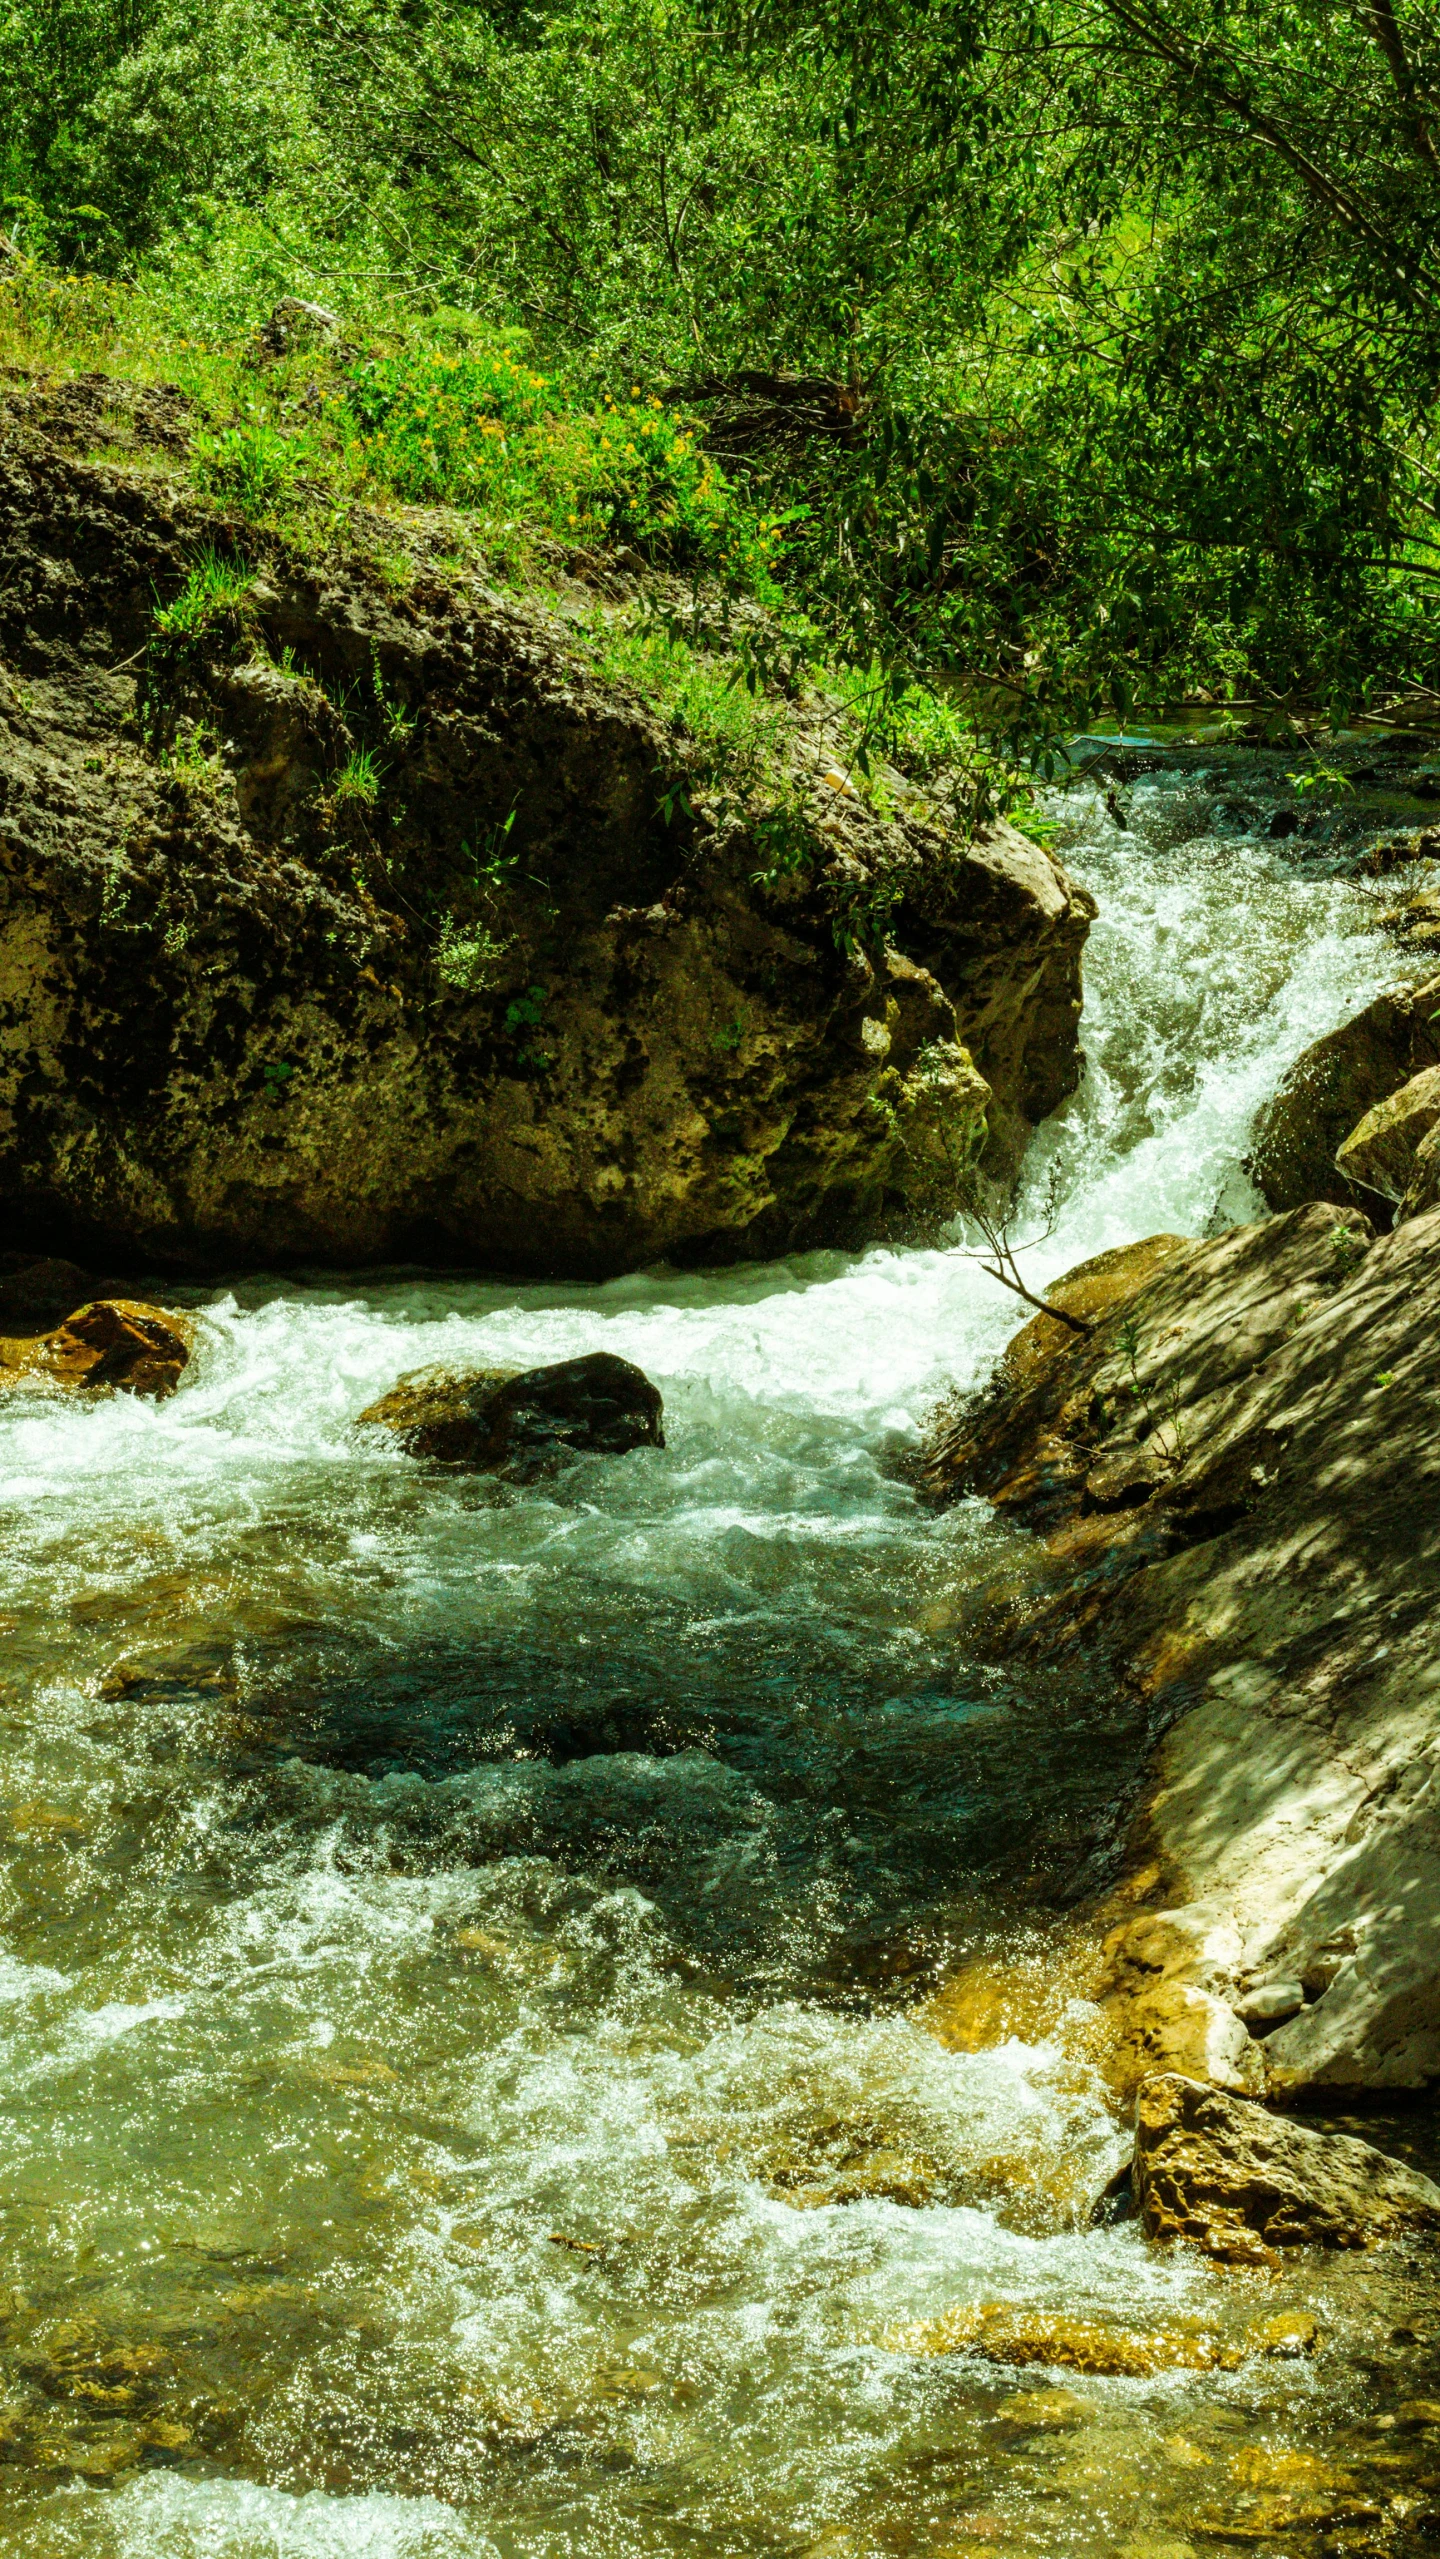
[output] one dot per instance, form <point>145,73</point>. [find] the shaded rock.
<point>114,1344</point>
<point>1423,1189</point>
<point>38,1292</point>
<point>1416,921</point>
<point>295,322</point>
<point>248,1018</point>
<point>1380,1154</point>
<point>521,1423</point>
<point>1398,852</point>
<point>1272,1603</point>
<point>1329,1090</point>
<point>1239,2183</point>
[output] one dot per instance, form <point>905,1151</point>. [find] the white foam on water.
<point>167,2518</point>
<point>393,2037</point>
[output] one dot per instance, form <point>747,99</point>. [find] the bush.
<point>483,429</point>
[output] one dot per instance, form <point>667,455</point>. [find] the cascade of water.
<point>453,1936</point>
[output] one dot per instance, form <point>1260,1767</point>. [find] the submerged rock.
<point>1001,2333</point>
<point>1270,1593</point>
<point>113,1345</point>
<point>521,1423</point>
<point>358,923</point>
<point>1331,1088</point>
<point>1221,2173</point>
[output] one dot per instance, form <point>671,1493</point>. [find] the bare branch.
<point>998,1260</point>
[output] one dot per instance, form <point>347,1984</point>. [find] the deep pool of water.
<point>463,2091</point>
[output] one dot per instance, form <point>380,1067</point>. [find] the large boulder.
<point>523,1423</point>
<point>117,1344</point>
<point>1240,2184</point>
<point>1233,1475</point>
<point>1379,1155</point>
<point>1332,1086</point>
<point>352,922</point>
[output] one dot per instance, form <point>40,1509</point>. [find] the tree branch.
<point>1381,19</point>
<point>1156,38</point>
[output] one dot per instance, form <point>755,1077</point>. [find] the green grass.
<point>214,593</point>
<point>358,780</point>
<point>736,738</point>
<point>344,442</point>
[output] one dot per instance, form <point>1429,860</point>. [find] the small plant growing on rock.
<point>358,780</point>
<point>252,465</point>
<point>468,956</point>
<point>214,594</point>
<point>191,761</point>
<point>1127,1342</point>
<point>1348,1248</point>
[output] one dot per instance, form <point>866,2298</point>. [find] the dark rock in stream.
<point>116,1344</point>
<point>36,1293</point>
<point>522,1423</point>
<point>1239,2183</point>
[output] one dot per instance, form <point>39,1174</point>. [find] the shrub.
<point>483,429</point>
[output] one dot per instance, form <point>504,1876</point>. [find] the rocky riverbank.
<point>1233,1475</point>
<point>350,913</point>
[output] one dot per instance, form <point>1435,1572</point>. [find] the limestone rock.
<point>1380,1154</point>
<point>1240,2183</point>
<point>114,1344</point>
<point>1270,2003</point>
<point>1272,1600</point>
<point>248,1018</point>
<point>1331,1088</point>
<point>294,322</point>
<point>1423,1191</point>
<point>522,1423</point>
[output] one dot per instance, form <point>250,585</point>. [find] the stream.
<point>466,2090</point>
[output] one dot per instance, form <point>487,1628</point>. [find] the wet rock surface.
<point>365,921</point>
<point>116,1345</point>
<point>1000,2332</point>
<point>522,1423</point>
<point>1219,2172</point>
<point>1332,1087</point>
<point>1271,1598</point>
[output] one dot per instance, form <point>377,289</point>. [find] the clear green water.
<point>462,2087</point>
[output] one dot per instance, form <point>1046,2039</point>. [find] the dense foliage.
<point>1084,348</point>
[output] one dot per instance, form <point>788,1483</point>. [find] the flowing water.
<point>463,2088</point>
